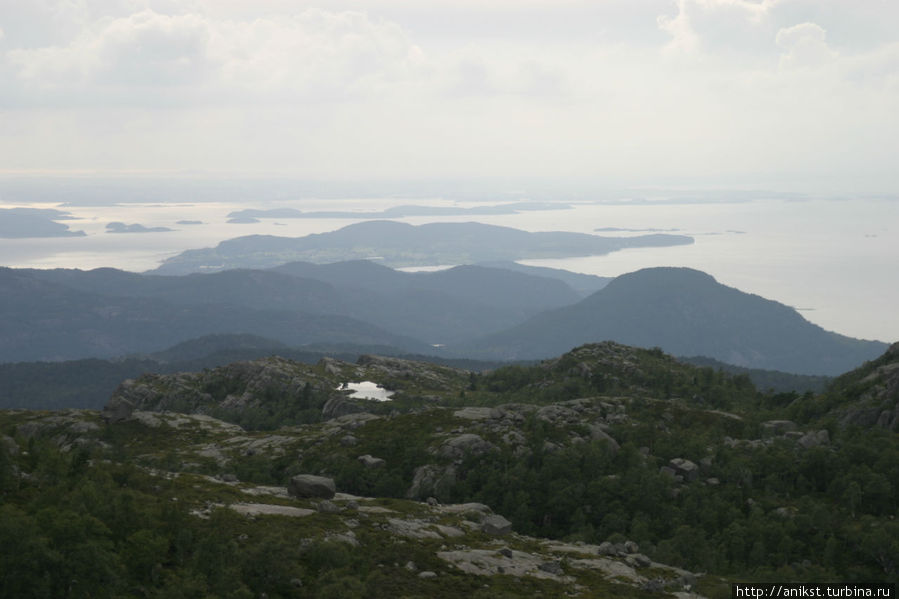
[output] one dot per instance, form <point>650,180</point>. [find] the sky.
<point>774,94</point>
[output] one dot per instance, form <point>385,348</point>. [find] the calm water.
<point>835,260</point>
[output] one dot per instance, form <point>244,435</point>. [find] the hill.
<point>606,471</point>
<point>88,383</point>
<point>688,313</point>
<point>45,320</point>
<point>439,308</point>
<point>582,283</point>
<point>398,244</point>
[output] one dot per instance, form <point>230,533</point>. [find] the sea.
<point>835,259</point>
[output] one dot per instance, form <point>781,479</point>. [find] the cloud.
<point>399,88</point>
<point>716,25</point>
<point>314,54</point>
<point>804,45</point>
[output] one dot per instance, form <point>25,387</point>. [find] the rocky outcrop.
<point>431,480</point>
<point>339,406</point>
<point>467,444</point>
<point>237,385</point>
<point>309,485</point>
<point>425,374</point>
<point>814,439</point>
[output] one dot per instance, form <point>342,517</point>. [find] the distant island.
<point>401,245</point>
<point>22,223</point>
<point>252,215</point>
<point>117,227</point>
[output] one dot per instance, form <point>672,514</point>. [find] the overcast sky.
<point>784,94</point>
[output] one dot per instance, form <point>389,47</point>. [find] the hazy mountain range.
<point>467,311</point>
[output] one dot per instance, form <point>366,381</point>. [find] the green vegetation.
<point>605,443</point>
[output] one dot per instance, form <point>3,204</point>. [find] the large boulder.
<point>432,480</point>
<point>685,468</point>
<point>496,525</point>
<point>370,461</point>
<point>117,409</point>
<point>309,485</point>
<point>597,434</point>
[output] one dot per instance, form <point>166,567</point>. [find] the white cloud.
<point>405,89</point>
<point>804,45</point>
<point>313,54</point>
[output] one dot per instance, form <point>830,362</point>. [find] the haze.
<point>775,94</point>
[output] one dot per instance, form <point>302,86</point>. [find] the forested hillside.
<point>629,460</point>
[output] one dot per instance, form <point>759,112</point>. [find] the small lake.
<point>368,390</point>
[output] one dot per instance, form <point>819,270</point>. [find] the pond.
<point>368,390</point>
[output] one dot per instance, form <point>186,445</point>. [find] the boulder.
<point>117,409</point>
<point>553,567</point>
<point>431,480</point>
<point>12,448</point>
<point>371,462</point>
<point>597,434</point>
<point>328,507</point>
<point>638,560</point>
<point>683,467</point>
<point>496,525</point>
<point>309,485</point>
<point>607,548</point>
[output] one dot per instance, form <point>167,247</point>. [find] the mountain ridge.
<point>685,312</point>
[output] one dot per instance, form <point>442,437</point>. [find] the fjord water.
<point>833,259</point>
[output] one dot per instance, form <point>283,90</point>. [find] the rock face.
<point>338,406</point>
<point>309,485</point>
<point>874,390</point>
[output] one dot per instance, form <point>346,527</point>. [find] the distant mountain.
<point>400,244</point>
<point>766,380</point>
<point>685,312</point>
<point>583,284</point>
<point>480,285</point>
<point>46,320</point>
<point>438,308</point>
